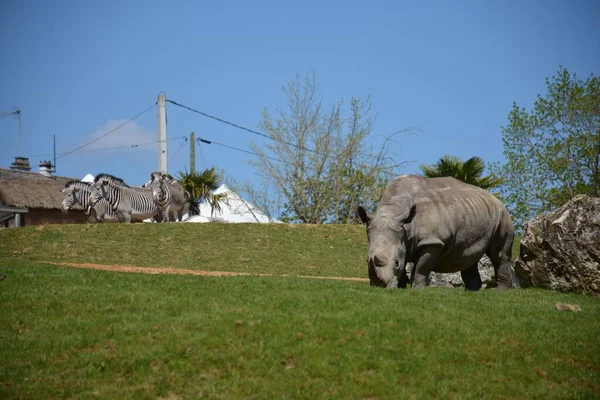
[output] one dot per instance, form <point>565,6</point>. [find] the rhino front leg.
<point>428,257</point>
<point>471,278</point>
<point>403,279</point>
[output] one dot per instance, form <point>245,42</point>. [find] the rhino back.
<point>462,218</point>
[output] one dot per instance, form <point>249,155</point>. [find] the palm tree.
<point>469,171</point>
<point>201,187</point>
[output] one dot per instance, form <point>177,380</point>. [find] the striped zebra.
<point>170,196</point>
<point>126,202</point>
<point>77,192</point>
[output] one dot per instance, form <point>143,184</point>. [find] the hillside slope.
<point>319,250</point>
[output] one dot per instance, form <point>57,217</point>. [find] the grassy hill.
<point>76,333</point>
<point>290,249</point>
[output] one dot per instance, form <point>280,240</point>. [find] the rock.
<point>561,250</point>
<point>568,307</point>
<point>486,271</point>
<point>454,280</point>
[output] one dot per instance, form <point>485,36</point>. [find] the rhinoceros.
<point>438,224</point>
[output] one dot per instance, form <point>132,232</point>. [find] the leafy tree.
<point>318,161</point>
<point>201,187</point>
<point>553,151</point>
<point>469,171</point>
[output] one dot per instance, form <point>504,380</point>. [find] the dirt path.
<point>178,271</point>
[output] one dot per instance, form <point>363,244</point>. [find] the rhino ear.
<point>363,215</point>
<point>408,216</point>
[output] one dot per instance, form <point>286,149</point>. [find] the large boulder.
<point>561,250</point>
<point>454,280</point>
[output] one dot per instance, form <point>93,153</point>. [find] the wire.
<point>128,146</point>
<point>107,133</point>
<point>201,155</point>
<point>180,146</point>
<point>275,140</point>
<point>102,149</point>
<point>369,168</point>
<point>241,127</point>
<point>201,140</point>
<point>6,114</point>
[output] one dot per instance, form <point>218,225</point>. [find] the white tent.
<point>233,209</point>
<point>88,178</point>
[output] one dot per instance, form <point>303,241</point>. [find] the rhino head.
<point>387,244</point>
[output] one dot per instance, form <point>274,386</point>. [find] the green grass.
<point>72,333</point>
<point>319,250</point>
<point>293,249</point>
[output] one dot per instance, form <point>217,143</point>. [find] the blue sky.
<point>452,69</point>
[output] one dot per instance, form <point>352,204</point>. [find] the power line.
<point>367,167</point>
<point>179,148</point>
<point>275,140</point>
<point>241,127</point>
<point>201,140</point>
<point>102,149</point>
<point>6,114</point>
<point>107,133</point>
<point>128,146</point>
<point>202,155</point>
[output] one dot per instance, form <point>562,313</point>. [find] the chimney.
<point>20,164</point>
<point>45,168</point>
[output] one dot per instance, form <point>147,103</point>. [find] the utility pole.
<point>192,153</point>
<point>162,133</point>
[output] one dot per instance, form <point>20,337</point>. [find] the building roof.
<point>31,190</point>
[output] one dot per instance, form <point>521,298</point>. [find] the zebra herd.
<point>110,198</point>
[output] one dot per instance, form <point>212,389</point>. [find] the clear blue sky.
<point>450,68</point>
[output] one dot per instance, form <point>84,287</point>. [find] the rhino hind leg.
<point>471,278</point>
<point>501,259</point>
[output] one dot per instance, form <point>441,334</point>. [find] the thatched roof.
<point>31,190</point>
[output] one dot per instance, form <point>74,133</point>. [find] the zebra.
<point>169,196</point>
<point>126,202</point>
<point>77,192</point>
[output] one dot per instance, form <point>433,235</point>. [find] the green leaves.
<point>201,186</point>
<point>553,151</point>
<point>469,171</point>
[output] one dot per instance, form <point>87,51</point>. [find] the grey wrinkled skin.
<point>441,225</point>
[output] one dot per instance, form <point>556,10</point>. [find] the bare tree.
<point>318,160</point>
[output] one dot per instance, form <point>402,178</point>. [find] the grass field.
<point>76,333</point>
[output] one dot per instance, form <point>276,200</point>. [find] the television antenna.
<point>17,112</point>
